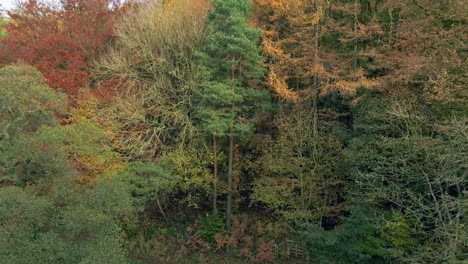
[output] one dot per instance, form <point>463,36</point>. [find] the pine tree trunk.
<point>355,57</point>
<point>215,181</point>
<point>231,157</point>
<point>229,197</point>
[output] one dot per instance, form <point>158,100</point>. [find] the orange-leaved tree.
<point>60,40</point>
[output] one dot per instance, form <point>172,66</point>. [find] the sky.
<point>8,4</point>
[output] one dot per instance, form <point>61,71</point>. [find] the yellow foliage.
<point>94,157</point>
<point>280,87</point>
<point>293,30</point>
<point>60,25</point>
<point>192,164</point>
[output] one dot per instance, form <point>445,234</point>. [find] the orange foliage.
<point>61,42</point>
<point>291,39</point>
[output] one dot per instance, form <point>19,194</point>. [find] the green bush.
<point>26,102</point>
<point>358,240</point>
<point>210,225</point>
<point>417,172</point>
<point>74,225</point>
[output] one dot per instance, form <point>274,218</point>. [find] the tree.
<point>291,180</point>
<point>34,147</point>
<point>60,41</point>
<point>232,60</point>
<point>408,164</point>
<point>302,49</point>
<point>154,71</point>
<point>215,114</point>
<point>308,65</point>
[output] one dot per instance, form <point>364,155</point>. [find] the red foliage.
<point>60,41</point>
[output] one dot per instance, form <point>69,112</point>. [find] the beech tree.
<point>61,41</point>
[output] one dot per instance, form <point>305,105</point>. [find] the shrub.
<point>38,229</point>
<point>210,225</point>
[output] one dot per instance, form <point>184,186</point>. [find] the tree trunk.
<point>355,56</point>
<point>229,197</point>
<point>215,181</point>
<point>231,157</point>
<point>316,86</point>
<point>161,209</point>
<point>316,78</point>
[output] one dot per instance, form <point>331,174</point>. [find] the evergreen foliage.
<point>231,61</point>
<point>359,240</point>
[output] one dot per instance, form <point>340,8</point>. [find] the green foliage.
<point>419,170</point>
<point>149,181</point>
<point>73,224</point>
<point>56,152</point>
<point>399,232</point>
<point>3,22</point>
<point>295,181</point>
<point>215,105</point>
<point>230,59</point>
<point>231,42</point>
<point>210,225</point>
<point>192,164</point>
<point>41,156</point>
<point>359,240</point>
<point>37,229</point>
<point>26,102</point>
<point>102,197</point>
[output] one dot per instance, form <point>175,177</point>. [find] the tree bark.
<point>229,197</point>
<point>316,84</point>
<point>231,157</point>
<point>355,56</point>
<point>161,209</point>
<point>215,181</point>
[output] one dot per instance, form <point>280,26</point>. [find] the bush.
<point>34,230</point>
<point>358,241</point>
<point>418,170</point>
<point>26,102</point>
<point>210,225</point>
<point>75,225</point>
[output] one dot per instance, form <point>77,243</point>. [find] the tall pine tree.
<point>232,62</point>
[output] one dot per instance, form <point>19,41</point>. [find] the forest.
<point>234,132</point>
